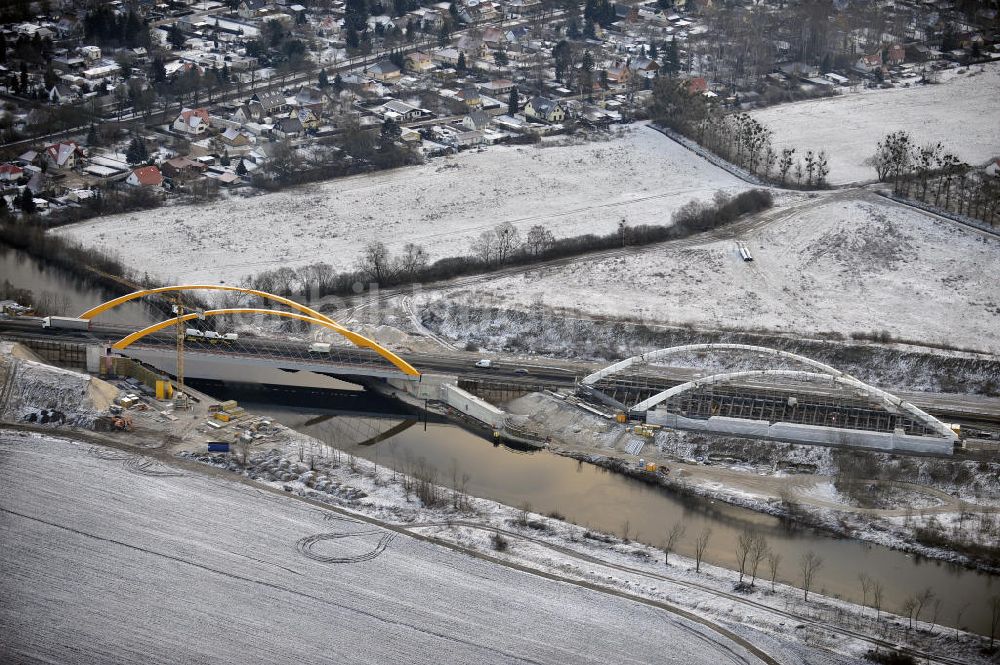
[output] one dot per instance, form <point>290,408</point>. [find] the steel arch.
<point>646,358</point>
<point>358,340</point>
<point>887,399</point>
<point>111,304</point>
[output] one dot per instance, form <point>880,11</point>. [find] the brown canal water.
<point>602,500</point>
<point>64,294</point>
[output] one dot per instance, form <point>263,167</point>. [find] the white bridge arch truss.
<point>822,373</point>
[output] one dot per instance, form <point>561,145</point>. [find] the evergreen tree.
<point>26,202</point>
<point>391,130</point>
<point>136,153</point>
<point>3,47</point>
<point>513,102</point>
<point>338,84</point>
<point>3,207</point>
<point>175,36</point>
<point>352,39</point>
<point>444,34</point>
<point>671,60</point>
<point>652,51</point>
<point>324,79</point>
<point>461,63</point>
<point>224,160</point>
<point>241,169</point>
<point>356,14</point>
<point>573,29</point>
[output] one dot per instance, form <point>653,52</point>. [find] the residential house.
<point>145,176</point>
<point>645,67</point>
<point>10,172</point>
<point>447,56</point>
<point>312,98</point>
<point>60,94</point>
<point>626,13</point>
<point>308,119</point>
<point>401,111</point>
<point>267,104</point>
<point>697,85</point>
<point>619,74</point>
<point>182,169</point>
<point>192,121</point>
<point>418,61</point>
<point>236,138</point>
<point>895,54</point>
<point>869,64</point>
<point>476,120</point>
<point>287,128</point>
<point>497,87</point>
<point>470,95</point>
<point>251,9</point>
<point>62,155</point>
<point>542,108</point>
<point>385,71</point>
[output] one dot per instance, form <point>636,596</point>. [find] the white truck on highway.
<point>65,323</point>
<point>319,347</point>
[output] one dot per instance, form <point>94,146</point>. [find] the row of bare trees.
<point>738,138</point>
<point>935,176</point>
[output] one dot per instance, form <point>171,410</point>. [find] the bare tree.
<point>921,600</point>
<point>675,534</point>
<point>866,587</point>
<point>906,609</point>
<point>522,514</point>
<point>626,526</point>
<point>994,618</point>
<point>758,552</point>
<point>743,544</point>
<point>375,262</point>
<point>877,591</point>
<point>773,562</point>
<point>700,546</point>
<point>414,259</point>
<point>539,239</point>
<point>809,565</point>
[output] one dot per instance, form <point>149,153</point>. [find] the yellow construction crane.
<point>178,306</point>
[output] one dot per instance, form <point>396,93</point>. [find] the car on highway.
<point>520,371</point>
<point>485,363</point>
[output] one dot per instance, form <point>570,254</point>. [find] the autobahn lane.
<point>530,373</point>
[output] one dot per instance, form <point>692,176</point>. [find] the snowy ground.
<point>957,113</point>
<point>198,568</point>
<point>847,262</point>
<point>571,189</point>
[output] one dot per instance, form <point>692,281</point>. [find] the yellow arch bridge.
<point>301,313</point>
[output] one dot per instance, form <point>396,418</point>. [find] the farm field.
<point>957,112</point>
<point>102,563</point>
<point>641,176</point>
<point>847,262</point>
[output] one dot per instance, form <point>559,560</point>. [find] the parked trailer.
<point>744,252</point>
<point>218,447</point>
<point>65,323</point>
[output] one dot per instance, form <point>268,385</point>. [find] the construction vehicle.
<point>123,423</point>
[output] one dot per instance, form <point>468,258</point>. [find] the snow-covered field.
<point>960,113</point>
<point>641,176</point>
<point>843,263</point>
<point>97,565</point>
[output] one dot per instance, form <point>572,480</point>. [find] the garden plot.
<point>571,187</point>
<point>959,113</point>
<point>851,263</point>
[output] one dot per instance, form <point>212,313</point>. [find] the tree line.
<point>499,247</point>
<point>933,175</point>
<point>736,137</point>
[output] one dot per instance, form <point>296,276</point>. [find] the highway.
<point>530,373</point>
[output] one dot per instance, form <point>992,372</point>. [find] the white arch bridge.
<point>814,404</point>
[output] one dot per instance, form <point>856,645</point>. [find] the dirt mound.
<point>33,391</point>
